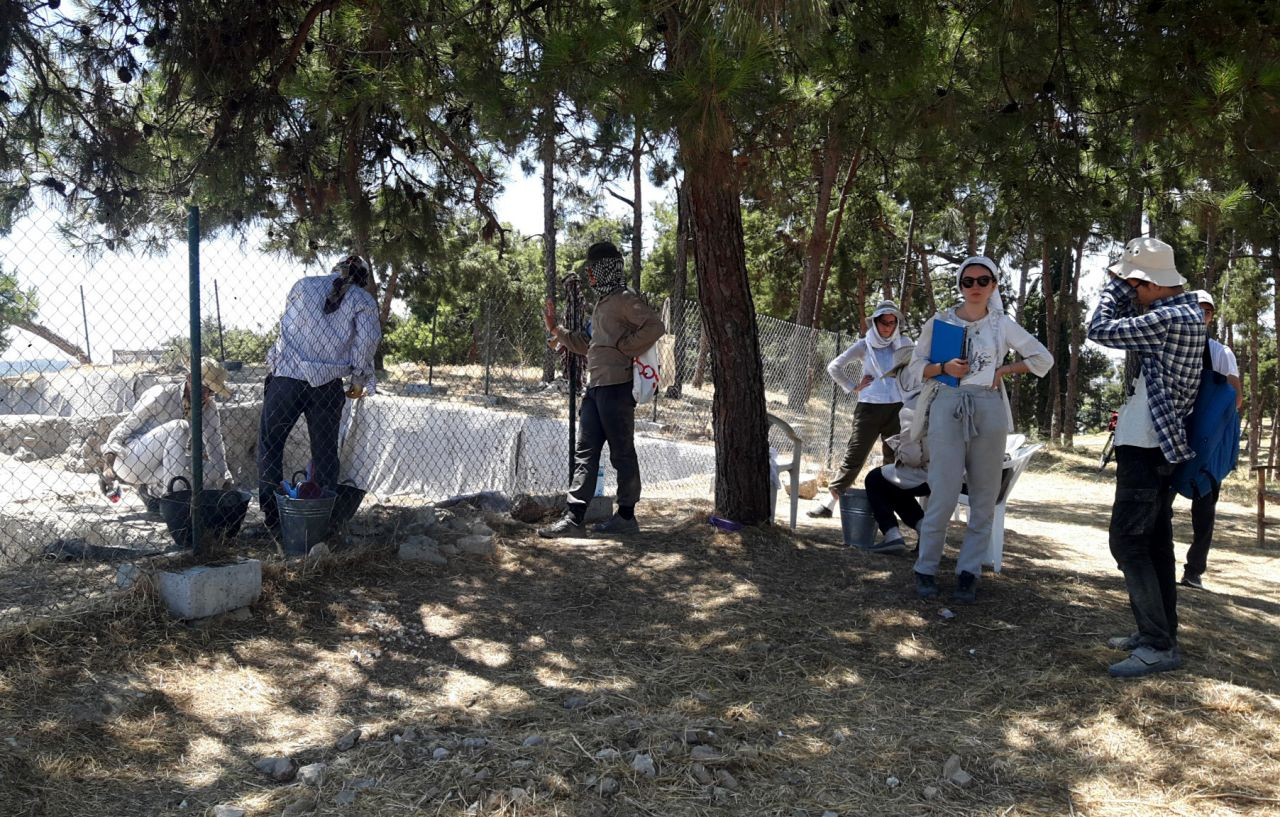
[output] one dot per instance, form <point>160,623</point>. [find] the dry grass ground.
<point>795,675</point>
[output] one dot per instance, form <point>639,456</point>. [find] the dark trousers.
<point>1142,542</point>
<point>891,502</point>
<point>607,415</point>
<point>870,420</point>
<point>1204,511</point>
<point>284,401</point>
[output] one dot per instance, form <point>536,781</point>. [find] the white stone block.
<point>208,590</point>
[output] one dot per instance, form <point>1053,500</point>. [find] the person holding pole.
<point>622,326</point>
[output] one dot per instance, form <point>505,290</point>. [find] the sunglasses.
<point>981,281</point>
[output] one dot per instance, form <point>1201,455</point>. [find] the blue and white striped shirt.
<point>1169,337</point>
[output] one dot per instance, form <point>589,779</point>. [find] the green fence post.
<point>197,390</point>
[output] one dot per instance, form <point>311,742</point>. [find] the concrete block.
<point>208,590</point>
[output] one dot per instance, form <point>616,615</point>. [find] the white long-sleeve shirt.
<point>157,406</point>
<point>319,348</point>
<point>875,363</point>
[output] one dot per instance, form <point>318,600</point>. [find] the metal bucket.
<point>304,522</point>
<point>856,520</point>
<point>221,512</point>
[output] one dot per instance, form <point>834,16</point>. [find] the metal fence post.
<point>488,341</point>
<point>217,306</point>
<point>196,387</point>
<point>84,313</point>
<point>831,429</point>
<point>431,352</point>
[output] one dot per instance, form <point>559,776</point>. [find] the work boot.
<point>926,586</point>
<point>966,591</point>
<point>1146,661</point>
<point>617,526</point>
<point>565,527</point>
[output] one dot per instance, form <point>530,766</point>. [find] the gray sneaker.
<point>1128,643</point>
<point>617,526</point>
<point>566,526</point>
<point>890,546</point>
<point>1146,661</point>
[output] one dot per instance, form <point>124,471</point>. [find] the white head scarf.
<point>874,338</point>
<point>996,304</point>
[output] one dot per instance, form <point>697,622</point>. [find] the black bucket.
<point>345,504</point>
<point>221,512</point>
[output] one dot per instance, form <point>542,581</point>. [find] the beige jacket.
<point>622,326</point>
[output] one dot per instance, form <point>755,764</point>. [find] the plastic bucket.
<point>221,512</point>
<point>856,520</point>
<point>304,522</point>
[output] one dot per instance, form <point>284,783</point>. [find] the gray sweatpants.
<point>967,430</point>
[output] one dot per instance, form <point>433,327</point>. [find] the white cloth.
<point>882,389</point>
<point>152,443</point>
<point>1008,336</point>
<point>1135,425</point>
<point>319,348</point>
<point>1224,360</point>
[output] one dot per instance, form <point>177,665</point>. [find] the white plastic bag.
<point>646,372</point>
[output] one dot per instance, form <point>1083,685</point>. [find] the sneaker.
<point>1191,580</point>
<point>926,586</point>
<point>565,526</point>
<point>1128,643</point>
<point>617,526</point>
<point>820,512</point>
<point>1146,661</point>
<point>966,591</point>
<point>891,546</point>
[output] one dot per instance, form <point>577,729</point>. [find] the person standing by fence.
<point>622,326</point>
<point>966,425</point>
<point>879,399</point>
<point>329,330</point>
<point>1144,311</point>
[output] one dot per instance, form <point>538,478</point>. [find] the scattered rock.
<point>727,780</point>
<point>363,783</point>
<point>830,814</point>
<point>839,736</point>
<point>478,545</point>
<point>279,769</point>
<point>449,549</point>
<point>518,795</point>
<point>930,792</point>
<point>225,810</point>
<point>480,528</point>
<point>303,805</point>
<point>705,754</point>
<point>534,740</point>
<point>406,735</point>
<point>127,575</point>
<point>440,754</point>
<point>421,549</point>
<point>522,765</point>
<point>533,509</point>
<point>643,764</point>
<point>720,796</point>
<point>892,782</point>
<point>313,774</point>
<point>482,775</point>
<point>474,743</point>
<point>608,755</point>
<point>608,786</point>
<point>701,774</point>
<point>345,797</point>
<point>347,741</point>
<point>952,771</point>
<point>576,702</point>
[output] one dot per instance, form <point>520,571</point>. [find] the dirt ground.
<point>684,671</point>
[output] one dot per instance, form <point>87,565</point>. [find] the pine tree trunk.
<point>547,155</point>
<point>1015,397</point>
<point>1072,313</point>
<point>49,336</point>
<point>1255,388</point>
<point>1051,334</point>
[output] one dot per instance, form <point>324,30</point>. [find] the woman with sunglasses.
<point>330,330</point>
<point>965,426</point>
<point>879,399</point>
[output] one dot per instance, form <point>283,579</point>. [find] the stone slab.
<point>207,590</point>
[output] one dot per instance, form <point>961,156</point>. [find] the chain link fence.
<point>91,333</point>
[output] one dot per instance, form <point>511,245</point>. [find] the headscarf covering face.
<point>604,269</point>
<point>996,303</point>
<point>351,270</point>
<point>874,338</point>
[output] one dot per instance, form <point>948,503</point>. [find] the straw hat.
<point>213,376</point>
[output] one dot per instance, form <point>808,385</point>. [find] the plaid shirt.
<point>1170,340</point>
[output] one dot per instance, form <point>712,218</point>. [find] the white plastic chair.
<point>789,462</point>
<point>1015,463</point>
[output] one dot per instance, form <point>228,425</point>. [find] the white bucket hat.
<point>1148,259</point>
<point>1203,297</point>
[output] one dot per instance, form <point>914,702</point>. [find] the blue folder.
<point>948,344</point>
